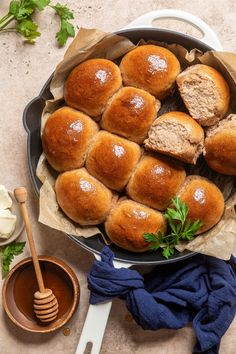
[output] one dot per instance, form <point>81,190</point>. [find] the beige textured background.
<point>23,70</point>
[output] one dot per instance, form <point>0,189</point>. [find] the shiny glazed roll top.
<point>112,159</point>
<point>82,197</point>
<point>66,137</point>
<point>90,85</point>
<point>156,180</point>
<point>204,199</point>
<point>127,223</point>
<point>130,113</point>
<point>151,68</point>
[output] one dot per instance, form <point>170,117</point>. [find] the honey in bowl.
<point>21,284</point>
<point>54,278</point>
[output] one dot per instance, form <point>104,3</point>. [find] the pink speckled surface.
<point>23,70</point>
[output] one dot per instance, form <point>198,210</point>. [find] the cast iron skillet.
<point>31,120</point>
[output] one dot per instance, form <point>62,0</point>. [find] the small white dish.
<point>15,209</point>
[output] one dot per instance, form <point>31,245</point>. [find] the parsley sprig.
<point>180,228</point>
<point>20,15</point>
<point>8,253</point>
<point>67,29</point>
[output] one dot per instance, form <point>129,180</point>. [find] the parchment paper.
<point>92,43</point>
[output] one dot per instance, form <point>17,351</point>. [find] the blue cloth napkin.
<point>201,290</point>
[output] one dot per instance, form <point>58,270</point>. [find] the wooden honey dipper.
<point>45,302</point>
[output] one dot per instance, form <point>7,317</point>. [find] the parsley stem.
<point>4,18</point>
<point>5,21</point>
<point>4,30</point>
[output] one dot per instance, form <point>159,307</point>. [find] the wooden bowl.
<point>20,285</point>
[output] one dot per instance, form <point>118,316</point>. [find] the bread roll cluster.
<point>106,175</point>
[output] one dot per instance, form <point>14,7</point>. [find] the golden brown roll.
<point>111,159</point>
<point>204,199</point>
<point>90,85</point>
<point>151,68</point>
<point>130,113</point>
<point>156,180</point>
<point>205,93</point>
<point>66,137</point>
<point>176,134</point>
<point>82,197</point>
<point>128,221</point>
<point>220,146</point>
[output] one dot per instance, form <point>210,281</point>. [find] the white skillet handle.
<point>96,321</point>
<point>209,36</point>
<point>94,328</point>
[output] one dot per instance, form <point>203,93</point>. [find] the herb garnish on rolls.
<point>180,228</point>
<point>128,221</point>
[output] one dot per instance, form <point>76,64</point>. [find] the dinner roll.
<point>130,113</point>
<point>205,93</point>
<point>111,159</point>
<point>66,137</point>
<point>204,199</point>
<point>151,68</point>
<point>127,223</point>
<point>220,146</point>
<point>82,197</point>
<point>176,134</point>
<point>91,84</point>
<point>155,181</point>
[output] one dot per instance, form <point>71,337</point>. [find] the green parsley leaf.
<point>150,237</point>
<point>8,253</point>
<point>28,29</point>
<point>154,246</point>
<point>63,12</point>
<point>21,11</point>
<point>14,7</point>
<point>67,29</point>
<point>180,228</point>
<point>40,4</point>
<point>24,8</point>
<point>168,251</point>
